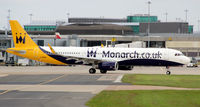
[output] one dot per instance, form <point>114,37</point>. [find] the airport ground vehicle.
<point>193,63</point>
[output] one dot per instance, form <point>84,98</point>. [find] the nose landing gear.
<point>168,71</point>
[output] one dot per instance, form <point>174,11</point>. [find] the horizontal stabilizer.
<point>18,51</point>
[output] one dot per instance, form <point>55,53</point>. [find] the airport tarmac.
<point>64,86</point>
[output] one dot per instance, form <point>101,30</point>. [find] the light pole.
<point>68,17</point>
<point>198,24</point>
<point>178,19</point>
<point>8,18</point>
<point>166,16</point>
<point>148,29</point>
<point>31,15</point>
<point>186,15</point>
<point>6,33</point>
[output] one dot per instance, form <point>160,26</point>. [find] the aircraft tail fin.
<point>58,35</point>
<point>20,36</point>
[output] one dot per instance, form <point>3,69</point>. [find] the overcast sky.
<point>58,9</point>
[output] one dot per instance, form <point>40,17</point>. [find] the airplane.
<point>104,59</point>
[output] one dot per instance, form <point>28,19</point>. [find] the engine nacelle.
<point>108,66</point>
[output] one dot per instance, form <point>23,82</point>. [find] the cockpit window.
<point>178,54</point>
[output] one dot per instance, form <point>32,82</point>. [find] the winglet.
<point>102,45</point>
<point>52,50</point>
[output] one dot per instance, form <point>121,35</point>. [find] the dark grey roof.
<point>94,29</point>
<point>95,20</point>
<point>41,32</point>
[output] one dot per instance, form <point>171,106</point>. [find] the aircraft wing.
<point>78,59</point>
<point>85,60</point>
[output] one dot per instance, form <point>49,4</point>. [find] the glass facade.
<point>40,42</point>
<point>190,29</point>
<point>39,28</point>
<point>136,29</point>
<point>142,19</point>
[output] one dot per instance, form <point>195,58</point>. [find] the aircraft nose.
<point>187,60</point>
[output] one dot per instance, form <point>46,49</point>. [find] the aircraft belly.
<point>149,62</point>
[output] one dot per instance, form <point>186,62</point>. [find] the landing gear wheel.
<point>92,71</point>
<point>168,70</point>
<point>168,73</point>
<point>103,71</point>
<point>131,68</point>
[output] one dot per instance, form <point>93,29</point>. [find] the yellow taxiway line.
<point>48,81</point>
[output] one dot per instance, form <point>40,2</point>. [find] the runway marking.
<point>3,75</point>
<point>161,69</point>
<point>146,87</point>
<point>24,98</point>
<point>18,88</point>
<point>52,80</point>
<point>5,92</point>
<point>118,80</point>
<point>108,78</point>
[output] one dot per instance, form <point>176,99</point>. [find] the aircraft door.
<point>166,56</point>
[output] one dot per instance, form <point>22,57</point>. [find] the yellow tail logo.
<point>20,37</point>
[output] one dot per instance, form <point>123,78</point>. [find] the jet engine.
<point>108,66</point>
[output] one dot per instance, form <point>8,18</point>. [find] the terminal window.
<point>4,44</point>
<point>40,42</point>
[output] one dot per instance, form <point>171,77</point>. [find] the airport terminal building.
<point>130,32</point>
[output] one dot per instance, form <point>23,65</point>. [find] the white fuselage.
<point>122,54</point>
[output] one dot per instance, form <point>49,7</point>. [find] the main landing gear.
<point>168,70</point>
<point>93,71</point>
<point>103,71</point>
